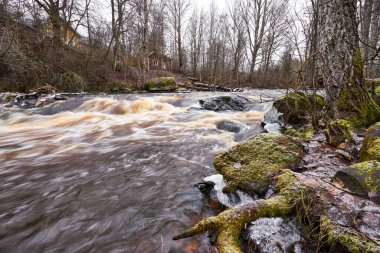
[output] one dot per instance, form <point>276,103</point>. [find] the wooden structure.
<point>71,38</point>
<point>158,61</point>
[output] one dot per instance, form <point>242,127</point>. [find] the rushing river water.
<point>111,174</point>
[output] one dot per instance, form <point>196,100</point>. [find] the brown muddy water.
<point>111,174</point>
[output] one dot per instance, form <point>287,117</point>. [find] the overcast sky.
<point>206,3</point>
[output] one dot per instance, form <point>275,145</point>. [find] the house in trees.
<point>158,61</point>
<point>69,35</point>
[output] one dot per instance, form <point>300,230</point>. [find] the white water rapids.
<point>111,174</point>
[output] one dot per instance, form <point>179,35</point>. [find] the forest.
<point>97,45</point>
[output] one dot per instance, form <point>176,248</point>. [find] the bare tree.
<point>54,8</point>
<point>177,11</point>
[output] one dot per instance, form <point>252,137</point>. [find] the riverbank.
<point>331,191</point>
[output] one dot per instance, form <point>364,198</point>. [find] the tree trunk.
<point>56,24</point>
<point>342,65</point>
<point>367,16</point>
<point>374,38</point>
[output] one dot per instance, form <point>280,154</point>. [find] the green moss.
<point>371,144</point>
<point>350,239</point>
<point>302,133</point>
<point>358,65</point>
<point>369,175</point>
<point>377,90</point>
<point>161,84</point>
<point>295,106</point>
<point>359,105</point>
<point>338,131</point>
<point>250,165</point>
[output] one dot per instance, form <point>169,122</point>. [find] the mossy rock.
<point>295,106</point>
<point>351,240</point>
<point>250,165</point>
<point>377,90</point>
<point>362,179</point>
<point>338,132</point>
<point>161,84</point>
<point>302,133</point>
<point>371,145</point>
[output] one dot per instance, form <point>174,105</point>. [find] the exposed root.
<point>229,223</point>
<point>293,196</point>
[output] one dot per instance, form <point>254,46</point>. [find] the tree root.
<point>290,198</point>
<point>229,223</point>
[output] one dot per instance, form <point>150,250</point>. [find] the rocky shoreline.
<point>331,189</point>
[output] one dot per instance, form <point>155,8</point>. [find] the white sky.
<point>206,3</point>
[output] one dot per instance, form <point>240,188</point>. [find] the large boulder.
<point>362,179</point>
<point>227,103</point>
<point>250,165</point>
<point>161,84</point>
<point>295,106</point>
<point>371,145</point>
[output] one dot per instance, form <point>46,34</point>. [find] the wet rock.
<point>248,131</point>
<point>7,97</point>
<point>272,122</point>
<point>205,187</point>
<point>44,101</point>
<point>161,84</point>
<point>226,199</point>
<point>227,103</point>
<point>368,222</point>
<point>249,165</point>
<point>362,179</point>
<point>229,126</point>
<point>59,97</point>
<point>371,144</point>
<point>272,116</point>
<point>26,101</point>
<point>275,235</point>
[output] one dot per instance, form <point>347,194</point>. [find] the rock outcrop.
<point>161,84</point>
<point>250,165</point>
<point>227,103</point>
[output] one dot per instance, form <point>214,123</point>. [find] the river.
<point>112,173</point>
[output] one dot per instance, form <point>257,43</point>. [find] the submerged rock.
<point>26,101</point>
<point>161,84</point>
<point>227,103</point>
<point>229,126</point>
<point>249,165</point>
<point>226,199</point>
<point>371,145</point>
<point>272,121</point>
<point>362,179</point>
<point>275,235</point>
